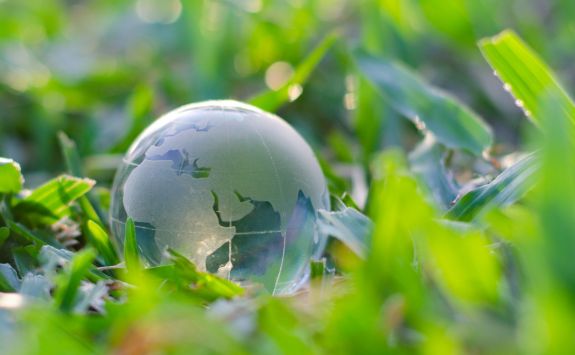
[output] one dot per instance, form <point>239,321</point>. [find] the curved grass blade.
<point>505,189</point>
<point>11,179</point>
<point>427,161</point>
<point>28,235</point>
<point>451,122</point>
<point>50,202</point>
<point>525,75</point>
<point>349,226</point>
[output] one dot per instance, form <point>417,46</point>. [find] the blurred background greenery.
<point>436,276</point>
<point>101,70</point>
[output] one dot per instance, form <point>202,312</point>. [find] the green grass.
<point>452,219</point>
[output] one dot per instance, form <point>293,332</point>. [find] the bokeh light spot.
<point>278,74</point>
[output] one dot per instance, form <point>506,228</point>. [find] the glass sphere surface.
<point>231,187</point>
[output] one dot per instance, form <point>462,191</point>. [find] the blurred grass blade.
<point>87,203</point>
<point>452,123</point>
<point>9,280</point>
<point>401,215</point>
<point>505,189</point>
<point>349,225</point>
<point>24,232</point>
<point>556,194</point>
<point>101,241</point>
<point>52,258</point>
<point>369,115</point>
<point>427,161</point>
<point>375,122</point>
<point>271,100</point>
<point>464,265</point>
<point>140,110</point>
<point>525,75</point>
<point>131,252</point>
<point>4,234</point>
<point>70,153</point>
<point>70,281</point>
<point>11,180</point>
<point>50,202</point>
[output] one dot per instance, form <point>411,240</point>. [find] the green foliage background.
<point>467,177</point>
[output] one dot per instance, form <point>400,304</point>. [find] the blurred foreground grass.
<point>471,203</point>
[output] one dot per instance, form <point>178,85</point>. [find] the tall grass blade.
<point>525,75</point>
<point>131,252</point>
<point>70,281</point>
<point>101,241</point>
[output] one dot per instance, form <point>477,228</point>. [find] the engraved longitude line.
<point>280,189</point>
<point>228,177</point>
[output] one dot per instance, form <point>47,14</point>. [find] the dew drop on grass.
<point>294,92</point>
<point>486,154</point>
<point>419,124</point>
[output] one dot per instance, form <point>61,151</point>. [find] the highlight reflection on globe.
<point>231,187</point>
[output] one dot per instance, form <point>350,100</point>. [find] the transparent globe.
<point>231,187</point>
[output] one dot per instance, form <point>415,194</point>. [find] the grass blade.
<point>452,123</point>
<point>349,225</point>
<point>101,241</point>
<point>11,180</point>
<point>88,203</point>
<point>427,161</point>
<point>25,233</point>
<point>505,189</point>
<point>525,75</point>
<point>50,202</point>
<point>70,153</point>
<point>70,282</point>
<point>139,109</point>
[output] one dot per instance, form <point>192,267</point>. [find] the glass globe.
<point>231,187</point>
